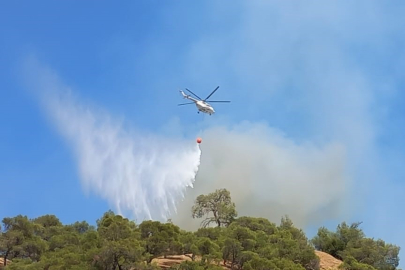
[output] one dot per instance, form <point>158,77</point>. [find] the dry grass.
<point>328,262</point>
<point>166,263</point>
<point>2,261</point>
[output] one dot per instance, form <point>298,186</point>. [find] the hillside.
<point>2,262</point>
<point>245,242</point>
<point>327,262</point>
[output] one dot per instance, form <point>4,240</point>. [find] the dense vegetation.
<point>241,242</point>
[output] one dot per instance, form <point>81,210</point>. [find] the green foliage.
<point>211,233</point>
<point>121,244</point>
<point>257,224</point>
<point>208,250</point>
<point>241,243</point>
<point>20,239</point>
<point>187,265</point>
<point>350,244</point>
<point>351,263</point>
<point>160,239</point>
<point>188,242</point>
<point>258,263</point>
<point>294,245</point>
<point>219,204</point>
<point>231,250</point>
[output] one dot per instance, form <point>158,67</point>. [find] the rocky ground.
<point>327,262</point>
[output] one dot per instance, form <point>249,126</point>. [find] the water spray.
<point>141,175</point>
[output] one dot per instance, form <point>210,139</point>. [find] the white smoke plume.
<point>270,175</point>
<point>136,172</point>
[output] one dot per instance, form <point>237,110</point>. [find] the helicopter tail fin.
<point>183,94</point>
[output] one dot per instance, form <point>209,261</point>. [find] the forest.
<point>223,241</point>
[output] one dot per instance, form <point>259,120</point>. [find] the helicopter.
<point>202,104</point>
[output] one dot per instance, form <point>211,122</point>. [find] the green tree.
<point>187,265</point>
<point>68,257</point>
<point>188,241</point>
<point>294,245</point>
<point>349,244</point>
<point>219,204</point>
<point>231,251</point>
<point>81,227</point>
<point>335,242</point>
<point>209,250</point>
<point>10,244</point>
<point>211,233</point>
<point>243,235</point>
<point>244,243</point>
<point>160,239</point>
<point>47,221</point>
<point>257,224</point>
<point>378,254</point>
<point>122,247</point>
<point>328,242</point>
<point>20,239</point>
<point>350,263</point>
<point>47,226</point>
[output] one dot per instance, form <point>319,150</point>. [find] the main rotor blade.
<point>211,93</point>
<point>219,101</point>
<point>185,103</point>
<point>194,94</point>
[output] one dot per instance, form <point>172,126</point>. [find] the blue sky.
<point>318,83</point>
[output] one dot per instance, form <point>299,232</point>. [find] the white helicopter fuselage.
<point>202,106</point>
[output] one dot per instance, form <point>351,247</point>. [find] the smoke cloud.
<point>141,175</point>
<point>299,67</point>
<point>146,176</point>
<point>269,175</point>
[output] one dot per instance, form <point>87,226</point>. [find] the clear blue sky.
<point>317,71</point>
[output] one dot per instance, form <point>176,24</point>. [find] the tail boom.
<point>187,96</point>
